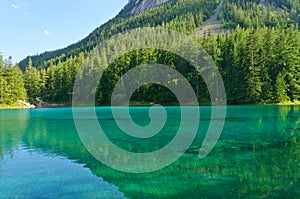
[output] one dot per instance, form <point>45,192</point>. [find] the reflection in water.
<point>32,174</point>
<point>13,123</point>
<point>33,165</point>
<point>257,156</point>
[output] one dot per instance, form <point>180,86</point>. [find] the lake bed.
<point>257,156</point>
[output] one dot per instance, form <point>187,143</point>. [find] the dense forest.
<point>11,83</point>
<point>259,57</point>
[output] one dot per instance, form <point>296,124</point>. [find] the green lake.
<point>257,156</point>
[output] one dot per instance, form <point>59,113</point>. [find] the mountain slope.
<point>143,5</point>
<point>214,23</point>
<point>134,7</point>
<point>258,58</point>
<point>176,14</point>
<point>182,15</point>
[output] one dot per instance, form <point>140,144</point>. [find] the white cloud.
<point>14,6</point>
<point>47,33</point>
<point>22,7</point>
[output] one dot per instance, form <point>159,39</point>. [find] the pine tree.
<point>32,81</point>
<point>281,89</point>
<point>3,83</point>
<point>254,69</point>
<point>44,78</point>
<point>15,82</point>
<point>50,89</point>
<point>268,64</point>
<point>292,64</point>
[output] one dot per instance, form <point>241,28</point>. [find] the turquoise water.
<point>257,156</point>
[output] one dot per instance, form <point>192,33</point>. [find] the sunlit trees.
<point>11,83</point>
<point>259,57</point>
<point>33,83</point>
<point>15,85</point>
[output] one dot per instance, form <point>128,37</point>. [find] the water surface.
<point>257,156</point>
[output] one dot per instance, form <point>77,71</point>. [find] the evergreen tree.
<point>260,50</point>
<point>281,89</point>
<point>33,83</point>
<point>50,90</point>
<point>252,63</point>
<point>268,64</point>
<point>3,83</point>
<point>292,64</point>
<point>15,85</point>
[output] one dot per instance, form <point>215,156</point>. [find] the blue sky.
<point>29,27</point>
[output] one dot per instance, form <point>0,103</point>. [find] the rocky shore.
<point>41,104</point>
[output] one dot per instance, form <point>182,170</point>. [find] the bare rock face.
<point>142,5</point>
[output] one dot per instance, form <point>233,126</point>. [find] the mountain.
<point>140,13</point>
<point>143,5</point>
<point>254,43</point>
<point>133,7</point>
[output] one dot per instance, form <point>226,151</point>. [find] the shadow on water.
<point>257,155</point>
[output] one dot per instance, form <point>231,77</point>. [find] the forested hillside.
<point>175,14</point>
<point>259,57</point>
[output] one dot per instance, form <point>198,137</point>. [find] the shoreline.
<point>8,107</point>
<point>291,103</point>
<point>22,104</point>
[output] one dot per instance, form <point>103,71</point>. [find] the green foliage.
<point>58,80</point>
<point>15,84</point>
<point>254,61</point>
<point>251,61</point>
<point>281,89</point>
<point>180,15</point>
<point>255,13</point>
<point>3,84</point>
<point>259,58</point>
<point>33,81</point>
<point>11,83</point>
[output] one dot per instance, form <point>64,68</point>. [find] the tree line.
<point>181,15</point>
<point>12,88</point>
<point>258,65</point>
<point>256,13</point>
<point>258,56</point>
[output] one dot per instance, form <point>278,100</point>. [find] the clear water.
<point>257,156</point>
